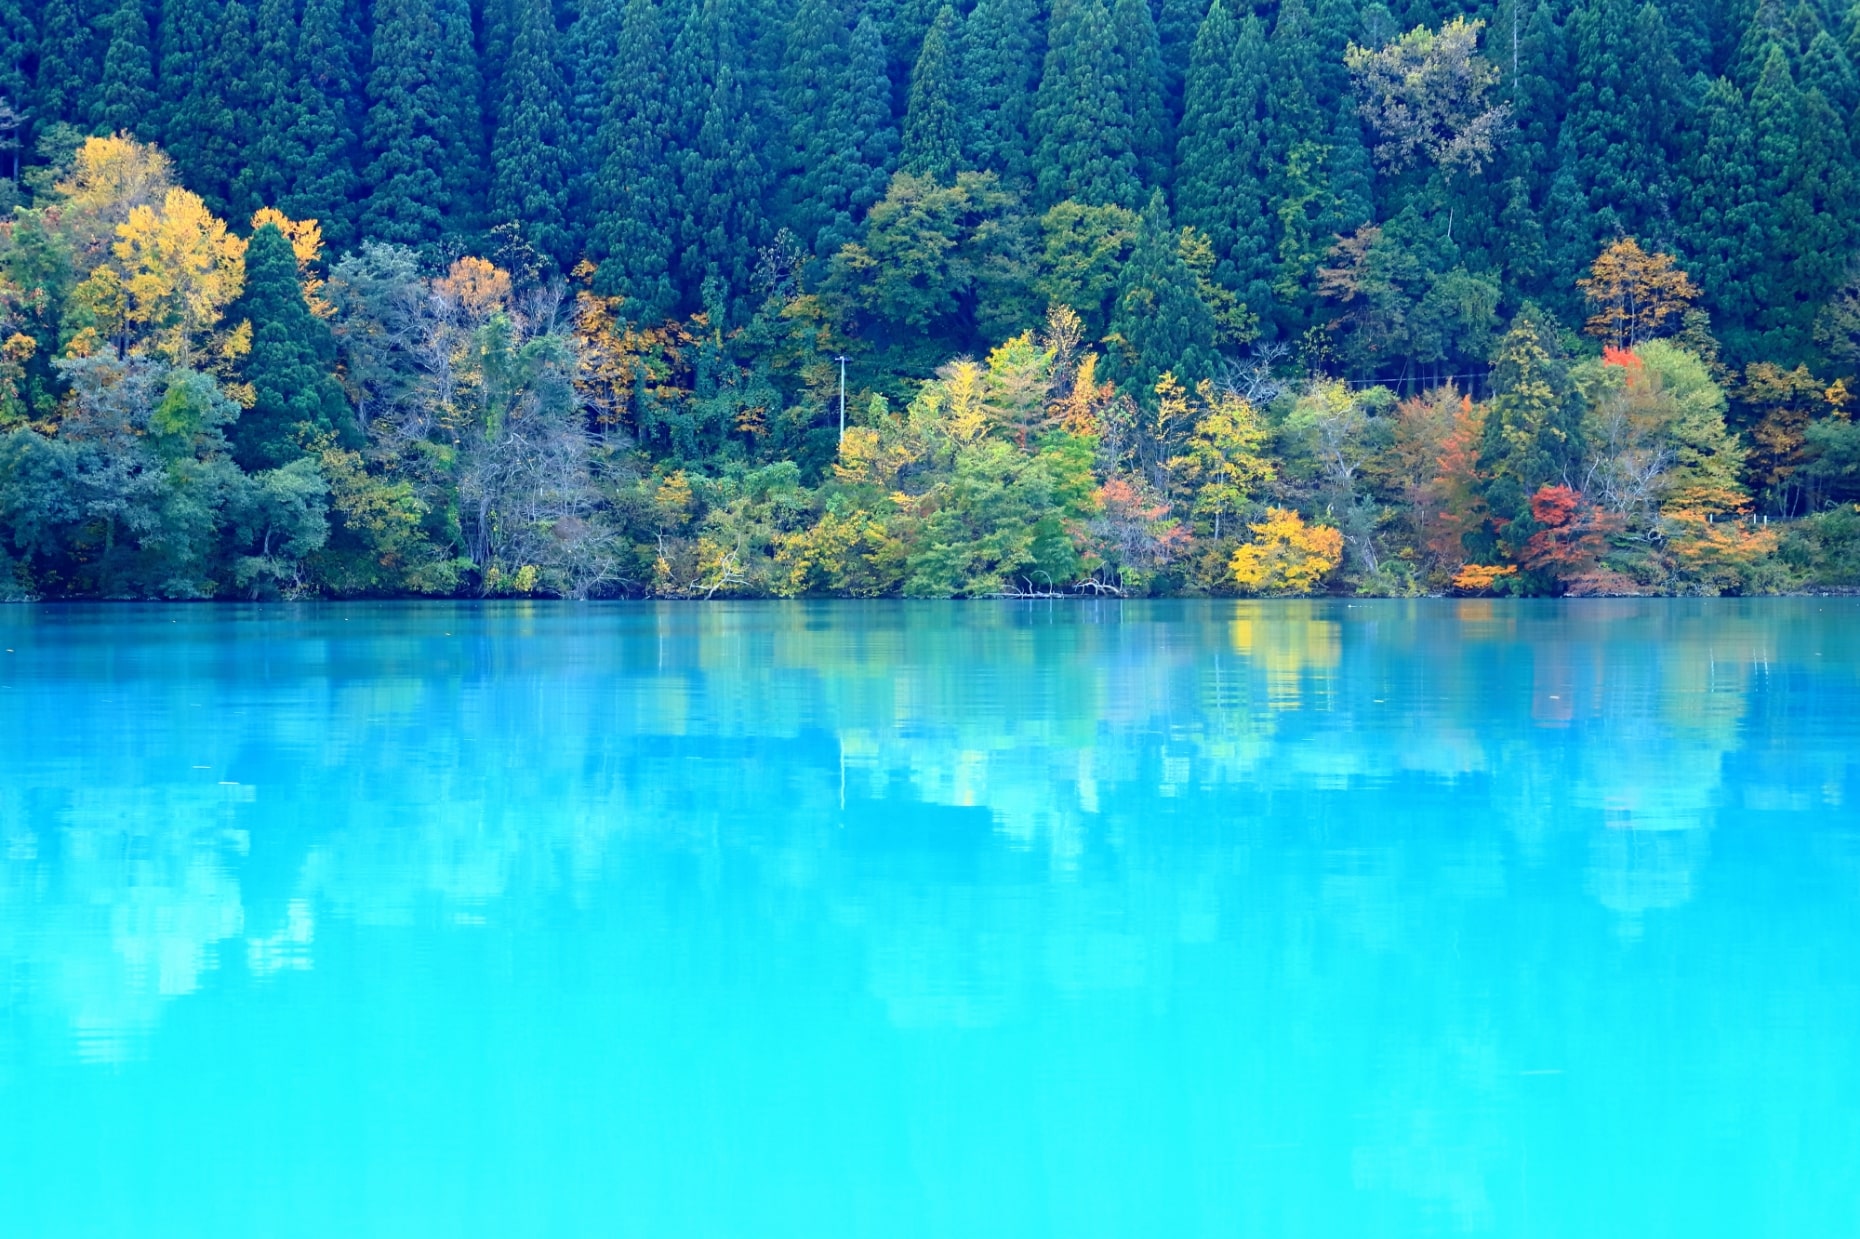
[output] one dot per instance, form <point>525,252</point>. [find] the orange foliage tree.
<point>1635,295</point>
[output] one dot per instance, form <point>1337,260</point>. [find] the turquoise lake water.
<point>1172,919</point>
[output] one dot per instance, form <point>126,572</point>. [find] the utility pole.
<point>842,360</point>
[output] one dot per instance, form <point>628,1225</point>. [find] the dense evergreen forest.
<point>489,297</point>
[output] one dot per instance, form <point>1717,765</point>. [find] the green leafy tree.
<point>954,258</point>
<point>1082,264</point>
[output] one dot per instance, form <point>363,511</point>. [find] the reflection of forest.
<point>999,804</point>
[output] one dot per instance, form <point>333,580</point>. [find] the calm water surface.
<point>1301,919</point>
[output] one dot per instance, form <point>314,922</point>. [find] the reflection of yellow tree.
<point>1286,641</point>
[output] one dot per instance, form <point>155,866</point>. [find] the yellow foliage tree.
<point>1635,295</point>
<point>109,178</point>
<point>1286,556</point>
<point>181,268</point>
<point>474,287</point>
<point>1224,459</point>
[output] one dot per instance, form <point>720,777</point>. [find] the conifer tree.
<point>862,112</point>
<point>932,119</point>
<point>1533,425</point>
<point>1804,164</point>
<point>1620,118</point>
<point>903,25</point>
<point>1769,26</point>
<point>74,37</point>
<point>126,100</point>
<point>721,176</point>
<point>1825,68</point>
<point>18,45</point>
<point>587,57</point>
<point>529,155</point>
<point>464,172</point>
<point>1084,139</point>
<point>1160,322</point>
<point>497,33</point>
<point>265,178</point>
<point>633,193</point>
<point>841,142</point>
<point>818,54</point>
<point>1220,159</point>
<point>1293,114</point>
<point>1001,71</point>
<point>1723,205</point>
<point>205,120</point>
<point>422,123</point>
<point>291,365</point>
<point>324,129</point>
<point>1177,23</point>
<point>1143,87</point>
<point>407,199</point>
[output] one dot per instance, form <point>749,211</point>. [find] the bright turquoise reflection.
<point>931,920</point>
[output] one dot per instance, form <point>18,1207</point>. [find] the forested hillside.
<point>352,298</point>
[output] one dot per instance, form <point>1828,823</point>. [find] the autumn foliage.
<point>1286,556</point>
<point>1635,295</point>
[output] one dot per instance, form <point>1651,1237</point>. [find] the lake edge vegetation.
<point>742,298</point>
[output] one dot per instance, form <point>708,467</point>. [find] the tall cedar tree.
<point>1220,161</point>
<point>1160,322</point>
<point>587,58</point>
<point>933,119</point>
<point>1620,121</point>
<point>721,177</point>
<point>1084,137</point>
<point>205,118</point>
<point>325,127</point>
<point>74,38</point>
<point>813,68</point>
<point>18,44</point>
<point>529,157</point>
<point>423,129</point>
<point>126,99</point>
<point>1177,23</point>
<point>841,141</point>
<point>266,177</point>
<point>291,365</point>
<point>1144,84</point>
<point>1724,206</point>
<point>633,193</point>
<point>1001,71</point>
<point>1804,163</point>
<point>903,23</point>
